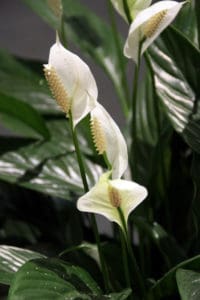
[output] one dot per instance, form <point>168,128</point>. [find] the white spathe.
<point>77,79</point>
<point>136,31</point>
<point>98,201</point>
<point>135,6</point>
<point>116,148</point>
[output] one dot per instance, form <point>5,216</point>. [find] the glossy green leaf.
<point>188,284</point>
<point>153,134</point>
<point>197,11</point>
<point>53,278</point>
<point>176,64</point>
<point>117,296</point>
<point>166,286</point>
<point>50,166</point>
<point>48,278</point>
<point>11,259</point>
<point>96,40</point>
<point>186,22</point>
<point>18,81</point>
<point>167,245</point>
<point>22,118</point>
<point>17,230</point>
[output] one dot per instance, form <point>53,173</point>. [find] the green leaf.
<point>153,134</point>
<point>176,64</point>
<point>195,171</point>
<point>188,284</point>
<point>11,259</point>
<point>96,40</point>
<point>117,296</point>
<point>50,166</point>
<point>166,286</point>
<point>18,81</point>
<point>22,118</point>
<point>167,245</point>
<point>52,278</point>
<point>197,11</point>
<point>186,22</point>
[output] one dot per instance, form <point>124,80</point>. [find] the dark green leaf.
<point>22,118</point>
<point>188,284</point>
<point>18,81</point>
<point>19,231</point>
<point>195,171</point>
<point>176,63</point>
<point>51,166</point>
<point>166,286</point>
<point>90,33</point>
<point>197,11</point>
<point>52,278</point>
<point>117,296</point>
<point>11,259</point>
<point>152,130</point>
<point>167,245</point>
<point>186,22</point>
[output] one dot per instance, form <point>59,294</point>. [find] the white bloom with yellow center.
<point>108,139</point>
<point>147,26</point>
<point>108,196</point>
<point>71,82</point>
<point>135,6</point>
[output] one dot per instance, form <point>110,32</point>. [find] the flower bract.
<point>107,196</point>
<point>71,82</point>
<point>147,26</point>
<point>135,6</point>
<point>109,139</point>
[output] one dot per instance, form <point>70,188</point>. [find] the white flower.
<point>71,82</point>
<point>107,196</point>
<point>148,24</point>
<point>108,138</point>
<point>135,6</point>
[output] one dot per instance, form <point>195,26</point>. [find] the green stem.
<point>78,153</point>
<point>108,164</point>
<point>133,154</point>
<point>125,259</point>
<point>86,189</point>
<point>125,103</point>
<point>127,11</point>
<point>62,32</point>
<point>137,273</point>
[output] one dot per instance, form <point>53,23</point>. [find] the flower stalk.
<point>125,102</point>
<point>86,189</point>
<point>139,281</point>
<point>127,11</point>
<point>133,149</point>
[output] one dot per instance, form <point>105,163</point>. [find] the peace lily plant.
<point>133,178</point>
<point>148,25</point>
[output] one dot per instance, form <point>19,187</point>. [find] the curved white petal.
<point>132,195</point>
<point>77,79</point>
<point>116,148</point>
<point>136,33</point>
<point>97,200</point>
<point>135,6</point>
